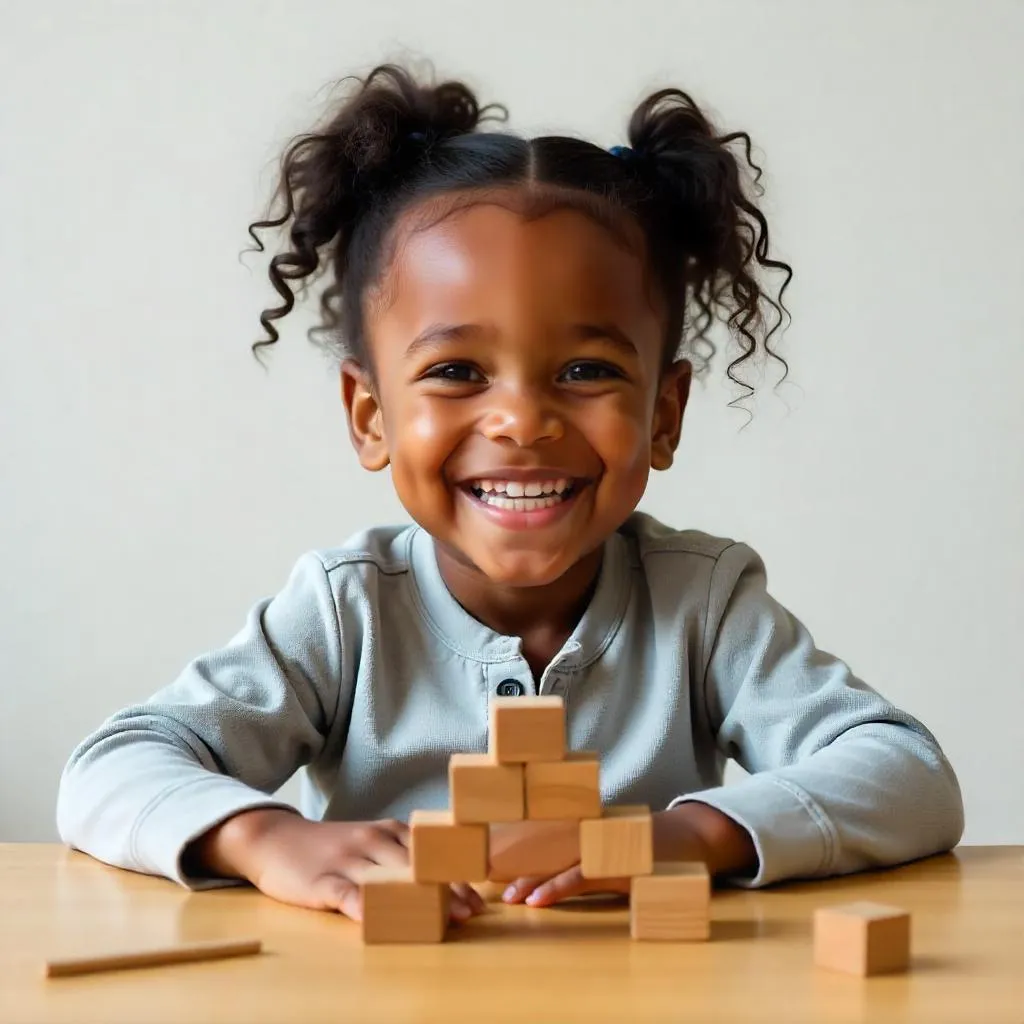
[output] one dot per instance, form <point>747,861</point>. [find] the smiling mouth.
<point>519,496</point>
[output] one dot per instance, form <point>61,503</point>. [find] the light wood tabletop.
<point>513,964</point>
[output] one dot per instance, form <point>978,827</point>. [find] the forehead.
<point>508,247</point>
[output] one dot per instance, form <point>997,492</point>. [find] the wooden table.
<point>558,965</point>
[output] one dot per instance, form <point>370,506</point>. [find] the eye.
<point>457,373</point>
<point>589,370</point>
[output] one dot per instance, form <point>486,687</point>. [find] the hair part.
<point>395,143</point>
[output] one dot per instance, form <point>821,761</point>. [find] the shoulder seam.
<point>686,551</point>
<point>388,568</point>
<point>707,600</point>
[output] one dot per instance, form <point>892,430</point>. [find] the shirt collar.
<point>467,636</point>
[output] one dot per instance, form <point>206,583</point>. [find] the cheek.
<point>622,436</point>
<point>426,430</point>
<point>421,437</point>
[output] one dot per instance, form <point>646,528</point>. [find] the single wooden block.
<point>526,849</point>
<point>445,851</point>
<point>525,729</point>
<point>564,790</point>
<point>673,903</point>
<point>481,790</point>
<point>862,938</point>
<point>396,908</point>
<point>619,844</point>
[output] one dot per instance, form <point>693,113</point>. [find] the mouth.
<point>524,495</point>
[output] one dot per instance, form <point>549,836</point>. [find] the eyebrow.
<point>607,332</point>
<point>440,332</point>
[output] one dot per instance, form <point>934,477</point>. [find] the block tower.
<point>527,774</point>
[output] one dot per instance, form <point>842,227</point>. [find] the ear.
<point>365,420</point>
<point>667,423</point>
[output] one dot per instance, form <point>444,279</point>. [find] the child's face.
<point>516,355</point>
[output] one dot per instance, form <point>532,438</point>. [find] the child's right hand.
<point>315,864</point>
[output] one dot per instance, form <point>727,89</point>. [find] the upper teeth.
<point>518,489</point>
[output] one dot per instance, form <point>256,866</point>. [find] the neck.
<point>519,611</point>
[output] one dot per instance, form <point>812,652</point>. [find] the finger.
<point>522,887</point>
<point>464,903</point>
<point>393,827</point>
<point>562,886</point>
<point>572,883</point>
<point>388,851</point>
<point>458,908</point>
<point>465,895</point>
<point>333,892</point>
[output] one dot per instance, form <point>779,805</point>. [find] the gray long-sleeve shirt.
<point>366,671</point>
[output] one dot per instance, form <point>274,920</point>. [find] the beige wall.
<point>155,482</point>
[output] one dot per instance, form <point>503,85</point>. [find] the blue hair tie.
<point>417,137</point>
<point>622,152</point>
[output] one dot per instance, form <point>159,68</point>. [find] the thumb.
<point>341,894</point>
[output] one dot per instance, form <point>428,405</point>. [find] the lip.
<point>513,519</point>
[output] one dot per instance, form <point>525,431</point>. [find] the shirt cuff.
<point>791,833</point>
<point>183,814</point>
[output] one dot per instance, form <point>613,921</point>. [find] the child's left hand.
<point>692,831</point>
<point>540,892</point>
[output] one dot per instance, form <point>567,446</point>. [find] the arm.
<point>841,780</point>
<point>232,728</point>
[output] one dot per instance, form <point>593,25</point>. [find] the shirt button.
<point>511,688</point>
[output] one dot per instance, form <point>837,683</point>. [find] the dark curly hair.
<point>396,141</point>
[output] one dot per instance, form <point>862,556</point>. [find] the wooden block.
<point>564,790</point>
<point>532,848</point>
<point>619,844</point>
<point>444,851</point>
<point>862,938</point>
<point>396,908</point>
<point>481,790</point>
<point>525,729</point>
<point>673,903</point>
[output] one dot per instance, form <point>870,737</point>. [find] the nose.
<point>521,415</point>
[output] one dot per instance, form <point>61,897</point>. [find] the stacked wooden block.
<point>527,775</point>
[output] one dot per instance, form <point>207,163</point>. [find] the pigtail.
<point>332,179</point>
<point>710,231</point>
<point>394,141</point>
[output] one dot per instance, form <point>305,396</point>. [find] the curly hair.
<point>395,141</point>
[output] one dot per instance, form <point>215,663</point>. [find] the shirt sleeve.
<point>841,780</point>
<point>224,736</point>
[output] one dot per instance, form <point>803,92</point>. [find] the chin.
<point>521,572</point>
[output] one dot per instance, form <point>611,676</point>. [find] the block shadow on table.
<point>592,915</point>
<point>493,926</point>
<point>755,928</point>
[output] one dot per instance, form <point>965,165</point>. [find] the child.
<point>511,316</point>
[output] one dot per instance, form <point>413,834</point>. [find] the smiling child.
<point>516,323</point>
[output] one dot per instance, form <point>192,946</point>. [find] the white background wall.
<point>155,482</point>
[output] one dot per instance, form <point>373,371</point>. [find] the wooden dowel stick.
<point>190,952</point>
